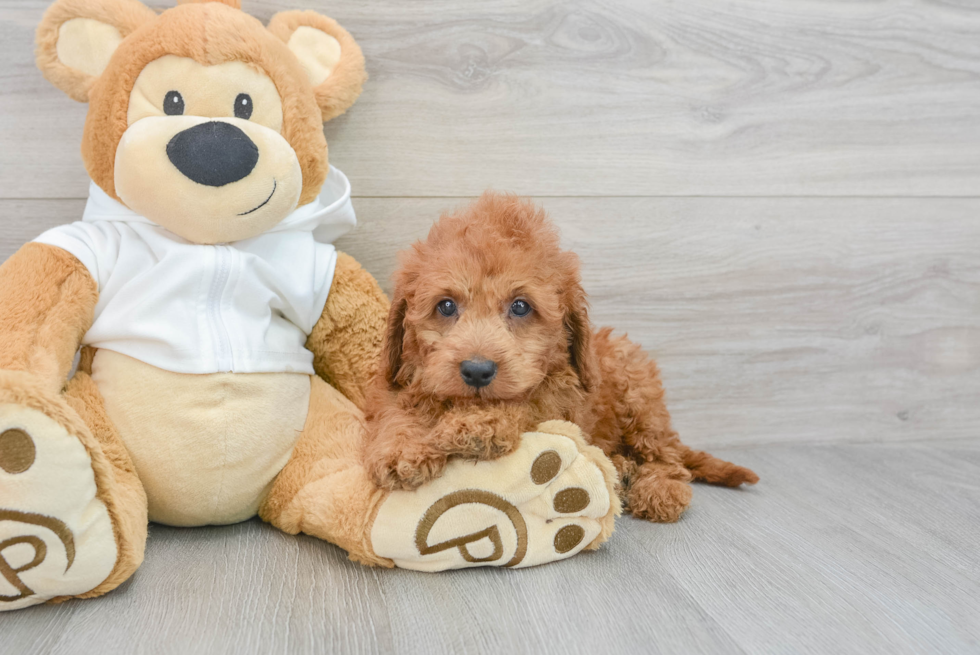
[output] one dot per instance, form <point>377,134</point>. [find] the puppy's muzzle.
<point>477,373</point>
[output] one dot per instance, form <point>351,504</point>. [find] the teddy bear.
<point>221,345</point>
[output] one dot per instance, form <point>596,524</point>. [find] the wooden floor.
<point>865,548</point>
<point>780,200</point>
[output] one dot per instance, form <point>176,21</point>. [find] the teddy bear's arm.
<point>47,303</point>
<point>346,341</point>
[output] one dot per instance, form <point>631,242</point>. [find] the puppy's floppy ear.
<point>579,330</point>
<point>76,39</point>
<point>391,352</point>
<point>329,54</point>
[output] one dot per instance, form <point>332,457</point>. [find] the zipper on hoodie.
<point>223,261</point>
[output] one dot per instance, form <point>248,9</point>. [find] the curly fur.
<point>551,364</point>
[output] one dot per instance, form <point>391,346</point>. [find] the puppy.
<point>488,335</point>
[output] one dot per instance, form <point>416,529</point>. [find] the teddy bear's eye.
<point>243,106</point>
<point>173,104</point>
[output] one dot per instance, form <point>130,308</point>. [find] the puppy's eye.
<point>173,104</point>
<point>243,106</point>
<point>520,308</point>
<point>447,307</point>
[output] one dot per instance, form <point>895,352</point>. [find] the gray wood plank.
<point>787,319</point>
<point>842,548</point>
<point>23,220</point>
<point>602,97</point>
<point>858,544</point>
<point>772,319</point>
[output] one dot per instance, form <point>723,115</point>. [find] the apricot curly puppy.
<point>488,335</point>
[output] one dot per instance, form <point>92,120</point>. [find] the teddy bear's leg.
<point>72,511</point>
<point>127,503</point>
<point>324,490</point>
<point>548,500</point>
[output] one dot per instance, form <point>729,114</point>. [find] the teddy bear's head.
<point>200,118</point>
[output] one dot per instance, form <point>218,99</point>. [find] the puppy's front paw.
<point>481,436</point>
<point>405,469</point>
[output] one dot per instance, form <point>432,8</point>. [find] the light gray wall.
<point>778,199</point>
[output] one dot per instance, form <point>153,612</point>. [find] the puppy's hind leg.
<point>658,492</point>
<point>630,406</point>
<point>660,467</point>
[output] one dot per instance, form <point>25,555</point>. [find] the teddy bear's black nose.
<point>477,372</point>
<point>213,153</point>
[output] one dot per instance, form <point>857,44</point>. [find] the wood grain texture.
<point>841,549</point>
<point>606,97</point>
<point>773,319</point>
<point>780,319</point>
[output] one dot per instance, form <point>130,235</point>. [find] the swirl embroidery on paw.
<point>40,548</point>
<point>472,496</point>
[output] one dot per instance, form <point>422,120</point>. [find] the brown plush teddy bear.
<point>227,344</point>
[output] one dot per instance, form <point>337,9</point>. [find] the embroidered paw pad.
<point>544,502</point>
<point>56,536</point>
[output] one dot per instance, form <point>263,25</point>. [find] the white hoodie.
<point>245,307</point>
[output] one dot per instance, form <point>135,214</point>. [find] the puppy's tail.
<point>710,469</point>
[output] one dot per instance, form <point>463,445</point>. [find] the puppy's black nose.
<point>213,153</point>
<point>477,372</point>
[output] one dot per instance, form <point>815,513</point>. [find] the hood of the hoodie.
<point>329,216</point>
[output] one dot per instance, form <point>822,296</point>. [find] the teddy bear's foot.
<point>56,536</point>
<point>551,498</point>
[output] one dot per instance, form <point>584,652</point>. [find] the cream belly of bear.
<point>206,447</point>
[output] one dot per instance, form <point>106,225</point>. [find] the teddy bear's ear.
<point>328,53</point>
<point>76,39</point>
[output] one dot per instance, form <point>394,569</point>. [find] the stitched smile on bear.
<point>203,154</point>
